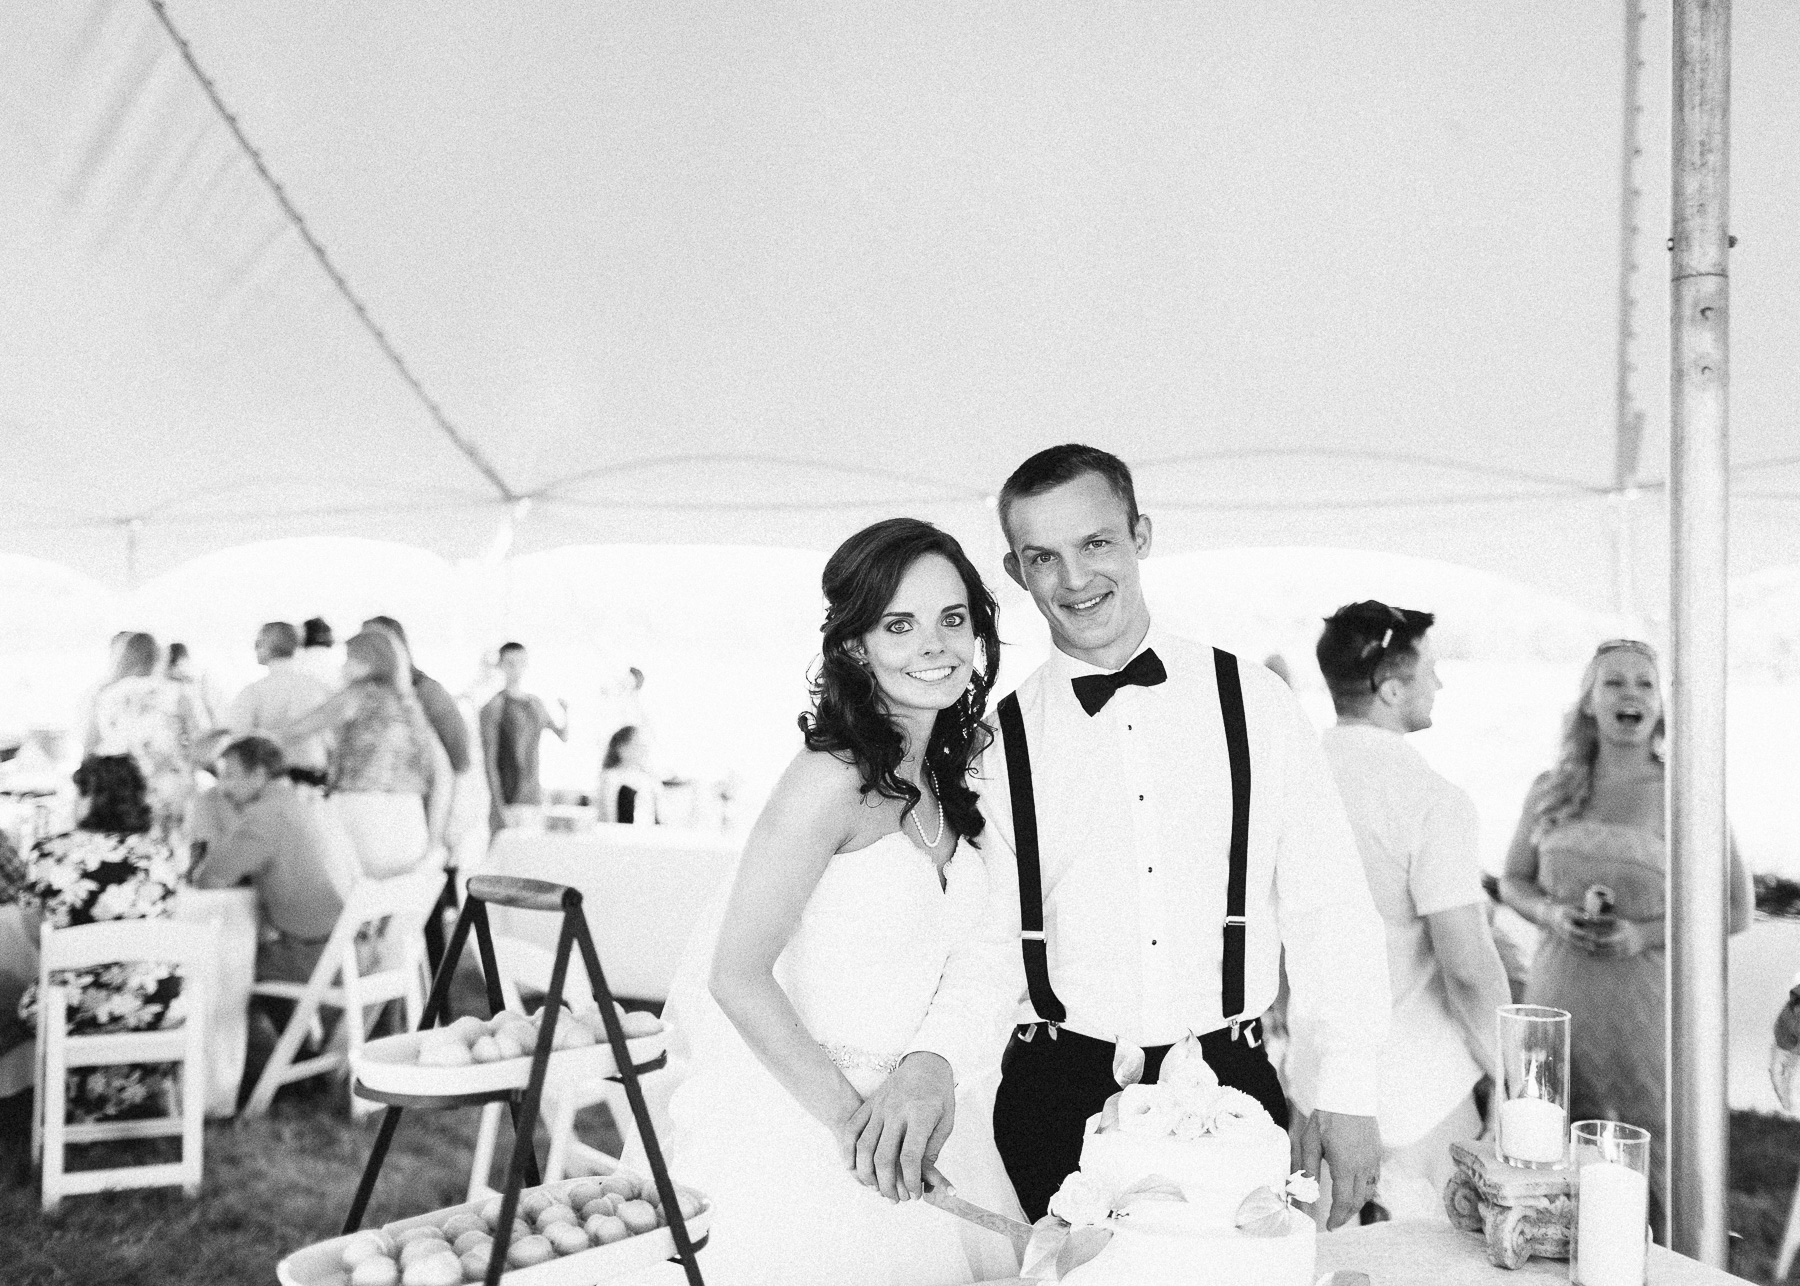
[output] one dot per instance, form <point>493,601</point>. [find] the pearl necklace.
<point>933,842</point>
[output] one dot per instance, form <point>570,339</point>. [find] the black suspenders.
<point>1237,749</point>
<point>1031,884</point>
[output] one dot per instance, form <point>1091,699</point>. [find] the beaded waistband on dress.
<point>853,1059</point>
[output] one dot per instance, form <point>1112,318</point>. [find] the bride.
<point>860,878</point>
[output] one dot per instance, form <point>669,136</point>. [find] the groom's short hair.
<point>1054,466</point>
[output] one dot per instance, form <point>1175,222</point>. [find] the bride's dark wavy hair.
<point>849,718</point>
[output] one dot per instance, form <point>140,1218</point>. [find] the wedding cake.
<point>1186,1182</point>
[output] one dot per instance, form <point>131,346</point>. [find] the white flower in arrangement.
<point>1081,1202</point>
<point>1301,1187</point>
<point>1149,1109</point>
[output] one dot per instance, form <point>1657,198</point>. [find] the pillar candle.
<point>1612,1205</point>
<point>1532,1129</point>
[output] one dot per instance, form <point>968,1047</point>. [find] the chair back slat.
<point>151,941</point>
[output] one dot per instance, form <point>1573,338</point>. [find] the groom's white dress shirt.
<point>1134,827</point>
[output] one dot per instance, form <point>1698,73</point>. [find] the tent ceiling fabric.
<point>755,274</point>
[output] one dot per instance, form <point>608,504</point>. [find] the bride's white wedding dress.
<point>861,971</point>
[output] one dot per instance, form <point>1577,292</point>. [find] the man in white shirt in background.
<point>1417,836</point>
<point>281,697</point>
<point>1135,790</point>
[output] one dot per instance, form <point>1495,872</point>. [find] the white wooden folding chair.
<point>338,982</point>
<point>528,964</point>
<point>59,1050</point>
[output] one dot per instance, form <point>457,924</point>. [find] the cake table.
<point>1428,1253</point>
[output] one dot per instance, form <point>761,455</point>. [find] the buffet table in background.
<point>642,888</point>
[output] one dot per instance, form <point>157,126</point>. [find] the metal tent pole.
<point>1697,515</point>
<point>1628,433</point>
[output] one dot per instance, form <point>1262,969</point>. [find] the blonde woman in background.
<point>154,720</point>
<point>391,782</point>
<point>1587,866</point>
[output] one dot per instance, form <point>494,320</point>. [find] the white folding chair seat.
<point>529,964</point>
<point>60,1050</point>
<point>338,982</point>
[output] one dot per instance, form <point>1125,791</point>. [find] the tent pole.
<point>1698,1118</point>
<point>1628,432</point>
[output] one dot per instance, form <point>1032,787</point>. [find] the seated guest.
<point>110,867</point>
<point>1416,834</point>
<point>628,789</point>
<point>280,698</point>
<point>266,836</point>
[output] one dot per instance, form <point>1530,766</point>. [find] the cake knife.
<point>944,1197</point>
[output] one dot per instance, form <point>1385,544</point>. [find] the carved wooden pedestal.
<point>1520,1212</point>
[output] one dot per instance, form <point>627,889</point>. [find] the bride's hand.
<point>893,1139</point>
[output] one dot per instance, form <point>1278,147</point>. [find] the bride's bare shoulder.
<point>816,789</point>
<point>821,776</point>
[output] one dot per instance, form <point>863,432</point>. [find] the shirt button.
<point>1149,870</point>
<point>1140,799</point>
<point>1152,941</point>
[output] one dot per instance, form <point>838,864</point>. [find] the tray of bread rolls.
<point>486,1055</point>
<point>574,1232</point>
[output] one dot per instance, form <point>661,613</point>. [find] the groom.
<point>1162,824</point>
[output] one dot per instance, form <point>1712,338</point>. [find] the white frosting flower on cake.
<point>1185,1070</point>
<point>1149,1109</point>
<point>1302,1188</point>
<point>1228,1111</point>
<point>1081,1202</point>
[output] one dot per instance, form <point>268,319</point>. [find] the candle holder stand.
<point>1521,1213</point>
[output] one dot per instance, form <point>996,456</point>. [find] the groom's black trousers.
<point>1049,1088</point>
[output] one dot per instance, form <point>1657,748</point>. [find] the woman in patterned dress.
<point>390,778</point>
<point>110,867</point>
<point>1587,867</point>
<point>154,720</point>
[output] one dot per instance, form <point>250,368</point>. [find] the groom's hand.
<point>892,1140</point>
<point>1351,1146</point>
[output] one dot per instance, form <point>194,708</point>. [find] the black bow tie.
<point>1095,690</point>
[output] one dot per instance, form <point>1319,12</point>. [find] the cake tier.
<point>1142,1256</point>
<point>1215,1174</point>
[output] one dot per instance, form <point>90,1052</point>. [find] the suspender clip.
<point>1031,935</point>
<point>1237,920</point>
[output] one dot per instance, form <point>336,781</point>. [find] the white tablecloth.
<point>641,887</point>
<point>233,972</point>
<point>1435,1254</point>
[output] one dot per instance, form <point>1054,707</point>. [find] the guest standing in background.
<point>152,719</point>
<point>280,698</point>
<point>1417,834</point>
<point>1587,866</point>
<point>434,699</point>
<point>512,724</point>
<point>110,867</point>
<point>628,788</point>
<point>390,778</point>
<point>179,668</point>
<point>319,654</point>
